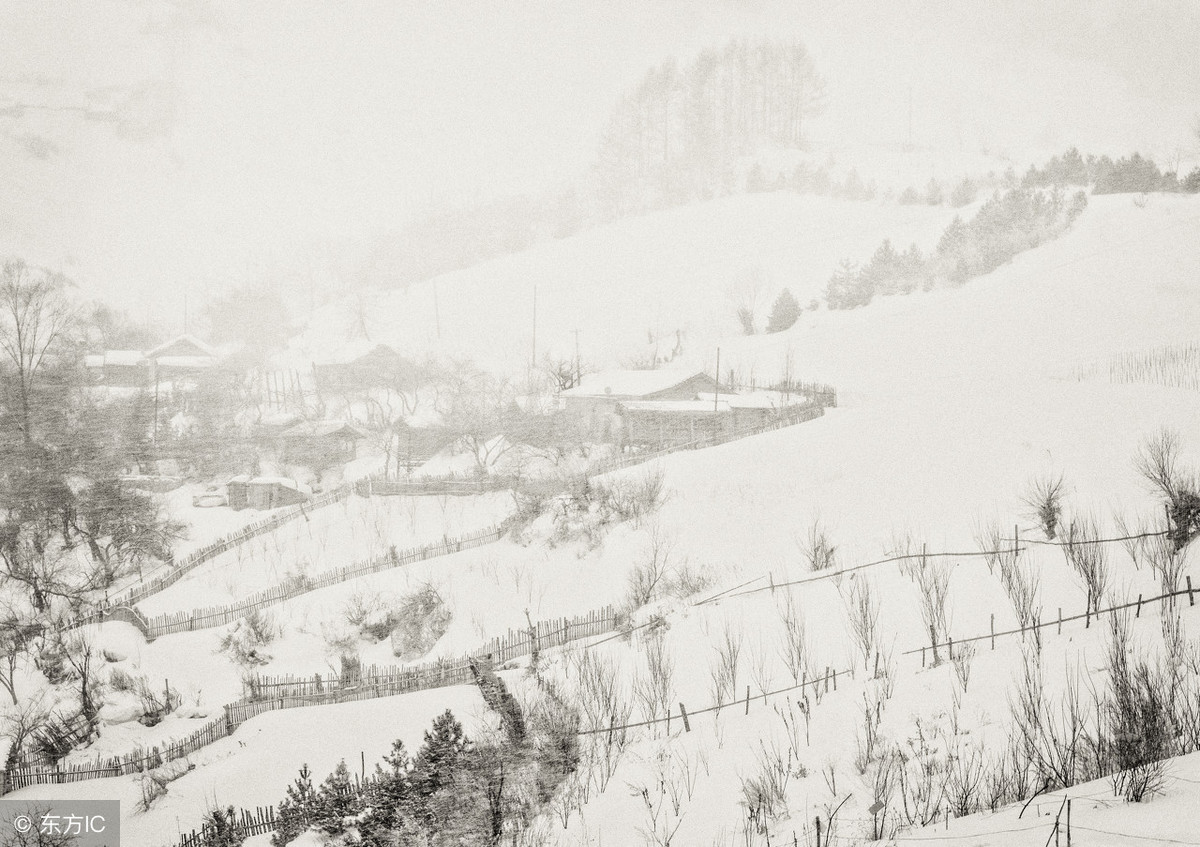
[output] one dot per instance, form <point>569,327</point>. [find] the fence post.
<point>1068,822</point>
<point>993,628</point>
<point>1060,620</point>
<point>1139,607</point>
<point>747,699</point>
<point>687,726</point>
<point>1191,596</point>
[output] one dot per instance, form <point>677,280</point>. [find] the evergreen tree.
<point>784,313</point>
<point>336,800</point>
<point>221,829</point>
<point>297,811</point>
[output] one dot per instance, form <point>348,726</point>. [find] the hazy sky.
<point>250,134</point>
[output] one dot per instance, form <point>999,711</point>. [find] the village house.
<point>665,408</point>
<point>181,358</point>
<point>601,401</point>
<point>320,444</point>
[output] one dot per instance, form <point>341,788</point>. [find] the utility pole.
<point>533,349</point>
<point>578,366</point>
<point>437,317</point>
<point>717,395</point>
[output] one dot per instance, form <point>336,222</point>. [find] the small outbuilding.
<point>265,492</point>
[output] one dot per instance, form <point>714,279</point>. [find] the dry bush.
<point>245,641</point>
<point>1157,461</point>
<point>962,660</point>
<point>1061,742</point>
<point>1141,718</point>
<point>421,618</point>
<point>764,793</point>
<point>820,554</point>
<point>156,705</point>
<point>687,580</point>
<point>965,774</point>
<point>1044,498</point>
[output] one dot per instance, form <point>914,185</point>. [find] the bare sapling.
<point>1166,561</point>
<point>1044,499</point>
<point>1089,558</point>
<point>962,659</point>
<point>724,669</point>
<point>655,691</point>
<point>794,648</point>
<point>862,609</point>
<point>932,579</point>
<point>649,576</point>
<point>965,780</point>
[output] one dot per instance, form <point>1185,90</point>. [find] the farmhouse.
<point>599,399</point>
<point>665,408</point>
<point>320,444</point>
<point>179,358</point>
<point>358,366</point>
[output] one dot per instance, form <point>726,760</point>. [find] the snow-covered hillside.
<point>949,404</point>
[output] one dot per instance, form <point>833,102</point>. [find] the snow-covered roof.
<point>695,406</point>
<point>126,358</point>
<point>186,362</point>
<point>349,352</point>
<point>319,429</point>
<point>755,399</point>
<point>185,341</point>
<point>282,481</point>
<point>628,383</point>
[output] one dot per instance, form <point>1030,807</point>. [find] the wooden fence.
<point>34,772</point>
<point>514,644</point>
<point>180,568</point>
<point>267,694</point>
<point>205,618</point>
<point>1087,617</point>
<point>245,822</point>
<point>170,623</point>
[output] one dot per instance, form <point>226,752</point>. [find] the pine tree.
<point>784,313</point>
<point>297,810</point>
<point>222,830</point>
<point>336,800</point>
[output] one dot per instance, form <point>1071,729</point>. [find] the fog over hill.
<point>149,149</point>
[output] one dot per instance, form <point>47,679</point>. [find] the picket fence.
<point>211,616</point>
<point>286,693</point>
<point>514,644</point>
<point>245,822</point>
<point>177,569</point>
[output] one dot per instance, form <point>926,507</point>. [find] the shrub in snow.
<point>245,640</point>
<point>156,705</point>
<point>784,313</point>
<point>1044,499</point>
<point>422,619</point>
<point>371,614</point>
<point>1158,463</point>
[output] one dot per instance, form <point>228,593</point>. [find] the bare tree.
<point>36,322</point>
